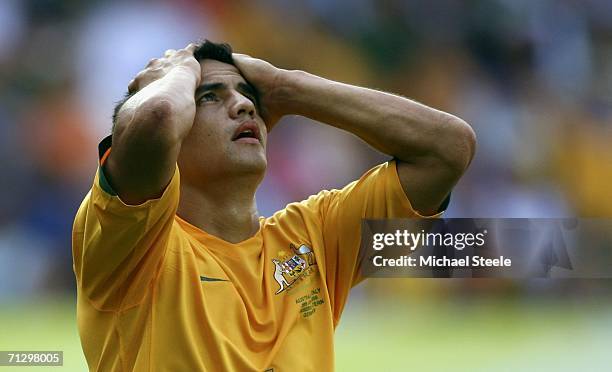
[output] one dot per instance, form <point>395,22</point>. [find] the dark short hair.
<point>206,49</point>
<point>221,52</point>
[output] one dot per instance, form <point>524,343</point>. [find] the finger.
<point>151,62</point>
<point>240,59</point>
<point>169,52</point>
<point>191,47</point>
<point>240,56</point>
<point>132,86</point>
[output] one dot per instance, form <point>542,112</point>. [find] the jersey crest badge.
<point>290,268</point>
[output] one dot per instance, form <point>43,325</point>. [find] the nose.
<point>240,106</point>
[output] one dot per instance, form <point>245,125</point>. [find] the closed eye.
<point>249,92</point>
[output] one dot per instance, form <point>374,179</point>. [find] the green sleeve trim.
<point>104,185</point>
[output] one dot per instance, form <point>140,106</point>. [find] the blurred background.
<point>533,78</point>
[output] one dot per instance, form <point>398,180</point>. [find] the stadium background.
<point>534,78</point>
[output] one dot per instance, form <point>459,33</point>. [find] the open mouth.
<point>248,132</point>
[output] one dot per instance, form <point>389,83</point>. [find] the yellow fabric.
<point>158,294</point>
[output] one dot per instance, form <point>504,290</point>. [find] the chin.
<point>251,164</point>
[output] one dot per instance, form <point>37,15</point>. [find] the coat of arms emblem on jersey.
<point>290,268</point>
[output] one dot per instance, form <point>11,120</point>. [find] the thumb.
<point>240,59</point>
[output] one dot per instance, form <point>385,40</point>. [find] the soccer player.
<point>176,271</point>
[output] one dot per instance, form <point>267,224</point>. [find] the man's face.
<point>228,136</point>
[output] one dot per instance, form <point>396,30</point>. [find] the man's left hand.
<point>269,82</point>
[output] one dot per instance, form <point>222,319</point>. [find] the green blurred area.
<point>43,324</point>
<point>390,334</point>
<point>476,334</point>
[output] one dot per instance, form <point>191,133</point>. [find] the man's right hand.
<point>159,67</point>
<point>152,124</point>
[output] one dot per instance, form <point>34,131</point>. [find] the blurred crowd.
<point>533,78</point>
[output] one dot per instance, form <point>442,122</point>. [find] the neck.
<point>226,210</point>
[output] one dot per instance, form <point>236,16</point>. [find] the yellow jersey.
<point>156,293</point>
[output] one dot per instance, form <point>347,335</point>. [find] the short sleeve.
<point>118,248</point>
<point>377,194</point>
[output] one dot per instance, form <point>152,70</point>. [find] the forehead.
<point>216,71</point>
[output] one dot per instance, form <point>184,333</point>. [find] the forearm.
<point>434,148</point>
<point>394,125</point>
<point>148,134</point>
<point>165,108</point>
